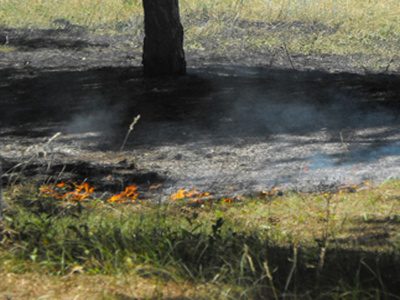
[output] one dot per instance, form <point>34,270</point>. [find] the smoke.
<point>378,152</point>
<point>320,161</point>
<point>257,102</point>
<point>94,114</point>
<point>386,151</point>
<point>306,131</point>
<point>286,113</point>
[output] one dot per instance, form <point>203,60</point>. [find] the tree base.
<point>163,53</point>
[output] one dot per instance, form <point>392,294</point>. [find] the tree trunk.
<point>163,53</point>
<point>2,204</point>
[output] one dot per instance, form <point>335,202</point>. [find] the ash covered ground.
<point>234,125</point>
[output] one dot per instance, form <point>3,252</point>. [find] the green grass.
<point>366,31</point>
<point>304,245</point>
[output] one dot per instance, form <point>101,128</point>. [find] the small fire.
<point>128,195</point>
<point>181,194</point>
<point>347,188</point>
<point>49,191</point>
<point>228,200</point>
<point>78,192</point>
<point>266,194</point>
<point>69,191</point>
<point>81,192</point>
<point>194,196</point>
<point>185,194</point>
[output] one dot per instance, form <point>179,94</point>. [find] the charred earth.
<point>236,124</point>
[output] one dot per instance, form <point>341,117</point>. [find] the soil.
<point>237,124</point>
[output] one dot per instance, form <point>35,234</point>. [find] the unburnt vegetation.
<point>364,34</point>
<point>63,240</point>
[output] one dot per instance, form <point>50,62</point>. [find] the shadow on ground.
<point>227,102</point>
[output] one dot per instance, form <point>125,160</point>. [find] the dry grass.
<point>83,286</point>
<point>355,16</point>
<point>42,13</point>
<point>355,219</point>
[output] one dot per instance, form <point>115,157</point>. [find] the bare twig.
<point>135,120</point>
<point>324,241</point>
<point>292,270</point>
<point>1,196</point>
<point>271,282</point>
<point>288,56</point>
<point>53,138</point>
<point>51,149</point>
<point>343,143</point>
<point>321,260</point>
<point>388,65</point>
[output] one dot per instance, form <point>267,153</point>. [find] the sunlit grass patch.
<point>95,286</point>
<point>6,48</point>
<point>341,27</point>
<point>306,27</point>
<point>42,13</point>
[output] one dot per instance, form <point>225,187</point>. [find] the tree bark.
<point>2,203</point>
<point>163,53</point>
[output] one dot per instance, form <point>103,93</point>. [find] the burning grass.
<point>68,191</point>
<point>72,191</point>
<point>303,245</point>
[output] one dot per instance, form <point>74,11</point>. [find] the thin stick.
<point>292,270</point>
<point>288,56</point>
<point>325,237</point>
<point>135,120</point>
<point>1,196</point>
<point>343,143</point>
<point>271,282</point>
<point>51,149</point>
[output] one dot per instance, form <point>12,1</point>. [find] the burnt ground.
<point>250,121</point>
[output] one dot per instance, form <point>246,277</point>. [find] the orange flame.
<point>79,191</point>
<point>128,195</point>
<point>182,194</point>
<point>228,200</point>
<point>179,195</point>
<point>49,191</point>
<point>265,194</point>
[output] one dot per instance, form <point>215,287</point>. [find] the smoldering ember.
<point>235,125</point>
